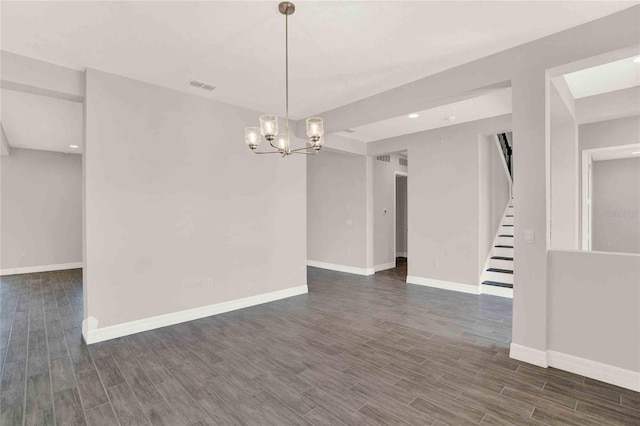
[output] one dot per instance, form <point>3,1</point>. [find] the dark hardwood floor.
<point>355,350</point>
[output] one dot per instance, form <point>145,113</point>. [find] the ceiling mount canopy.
<point>269,122</point>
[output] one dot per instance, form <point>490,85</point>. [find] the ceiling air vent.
<point>202,85</point>
<point>403,161</point>
<point>385,158</point>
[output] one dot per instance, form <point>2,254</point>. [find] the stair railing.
<point>507,158</point>
<point>507,152</point>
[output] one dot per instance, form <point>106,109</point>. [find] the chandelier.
<point>269,123</point>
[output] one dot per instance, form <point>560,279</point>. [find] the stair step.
<point>506,252</point>
<point>504,235</point>
<point>502,258</point>
<point>497,284</point>
<point>503,246</point>
<point>502,271</point>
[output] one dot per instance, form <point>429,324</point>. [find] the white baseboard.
<point>40,268</point>
<point>384,266</point>
<point>595,370</point>
<point>401,254</point>
<point>584,367</point>
<point>529,355</point>
<point>497,291</point>
<point>445,285</point>
<point>92,334</point>
<point>341,268</point>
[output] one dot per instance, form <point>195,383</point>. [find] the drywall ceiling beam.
<point>608,106</point>
<point>486,126</point>
<point>5,148</point>
<point>409,98</point>
<point>551,52</point>
<point>565,94</point>
<point>41,78</point>
<point>332,142</point>
<point>345,145</point>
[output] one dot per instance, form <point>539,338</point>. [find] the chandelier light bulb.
<point>269,126</point>
<point>315,129</point>
<point>282,143</point>
<point>252,137</point>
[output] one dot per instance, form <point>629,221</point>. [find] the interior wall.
<point>41,202</point>
<point>179,214</point>
<point>384,221</point>
<point>564,174</point>
<point>605,325</point>
<point>336,209</point>
<point>401,216</point>
<point>616,206</point>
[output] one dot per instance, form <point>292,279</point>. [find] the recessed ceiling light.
<point>451,118</point>
<point>414,115</point>
<point>636,59</point>
<point>635,152</point>
<point>74,146</point>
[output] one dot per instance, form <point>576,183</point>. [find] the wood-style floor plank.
<point>355,350</point>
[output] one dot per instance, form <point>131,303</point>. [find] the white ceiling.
<point>605,78</point>
<point>340,51</point>
<point>41,122</point>
<point>490,105</point>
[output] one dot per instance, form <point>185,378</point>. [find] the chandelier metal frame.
<point>269,123</point>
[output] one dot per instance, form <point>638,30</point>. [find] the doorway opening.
<point>401,223</point>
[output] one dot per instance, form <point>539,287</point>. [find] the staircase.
<point>497,278</point>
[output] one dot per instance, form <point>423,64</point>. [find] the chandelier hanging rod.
<point>269,123</point>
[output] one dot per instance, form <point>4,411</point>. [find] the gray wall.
<point>564,173</point>
<point>401,216</point>
<point>179,213</point>
<point>41,201</point>
<point>593,307</point>
<point>336,209</point>
<point>616,206</point>
<point>384,224</point>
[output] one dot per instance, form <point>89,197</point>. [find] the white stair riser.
<point>506,241</point>
<point>498,291</point>
<point>506,230</point>
<point>507,221</point>
<point>506,252</point>
<point>501,264</point>
<point>499,277</point>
